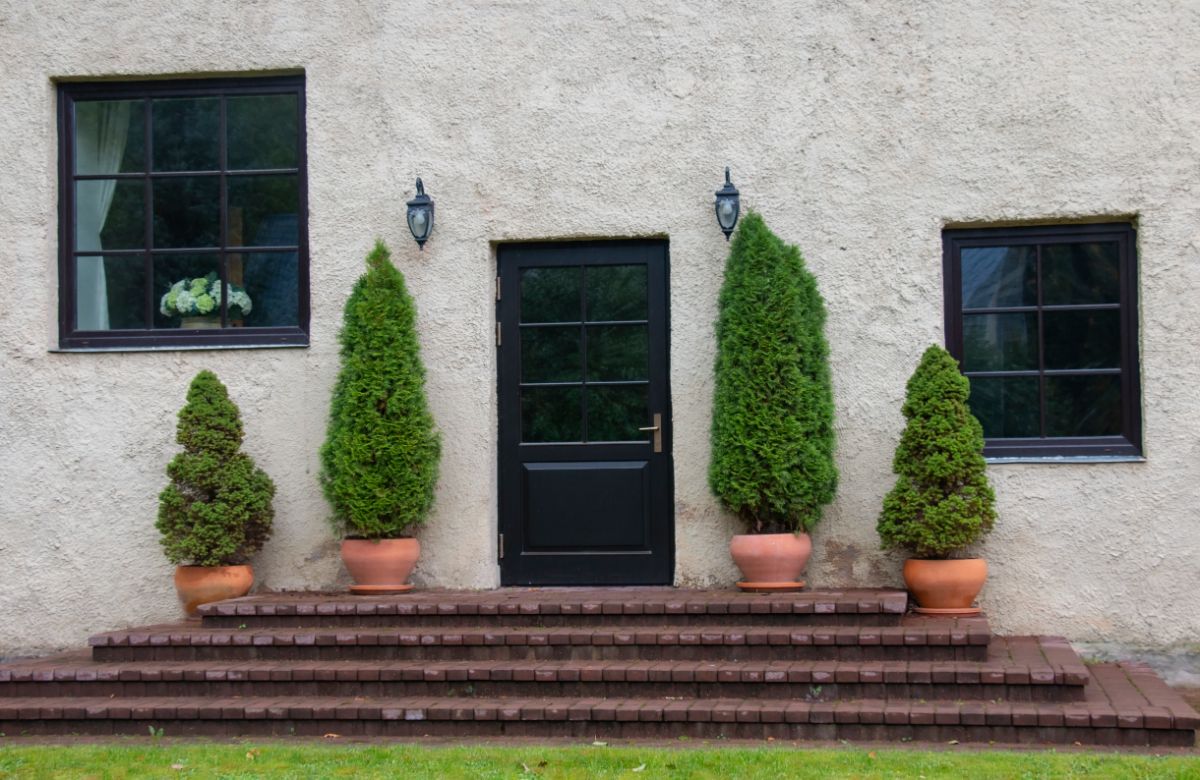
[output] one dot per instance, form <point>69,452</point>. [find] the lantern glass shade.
<point>418,222</point>
<point>727,212</point>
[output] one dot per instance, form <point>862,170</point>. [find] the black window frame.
<point>1126,445</point>
<point>71,338</point>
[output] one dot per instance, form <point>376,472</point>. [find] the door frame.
<point>509,496</point>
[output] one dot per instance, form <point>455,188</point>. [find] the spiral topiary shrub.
<point>772,432</point>
<point>379,463</point>
<point>942,502</point>
<point>217,510</point>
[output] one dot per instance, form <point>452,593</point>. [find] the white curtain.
<point>101,129</point>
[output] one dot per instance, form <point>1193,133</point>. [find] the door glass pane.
<point>1000,342</point>
<point>262,131</point>
<point>187,285</point>
<point>263,210</point>
<point>186,212</point>
<point>270,281</point>
<point>1081,273</point>
<point>1083,339</point>
<point>1083,405</point>
<point>1006,407</point>
<point>550,294</point>
<point>109,293</point>
<point>186,134</point>
<point>616,413</point>
<point>551,414</point>
<point>999,276</point>
<point>551,354</point>
<point>617,352</point>
<point>109,214</point>
<point>110,136</point>
<point>616,292</point>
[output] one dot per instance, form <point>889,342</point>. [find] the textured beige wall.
<point>859,130</point>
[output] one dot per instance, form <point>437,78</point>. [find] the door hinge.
<point>497,334</point>
<point>497,288</point>
<point>502,546</point>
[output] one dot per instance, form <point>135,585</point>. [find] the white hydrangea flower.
<point>185,303</point>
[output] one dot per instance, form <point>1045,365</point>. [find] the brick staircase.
<point>587,663</point>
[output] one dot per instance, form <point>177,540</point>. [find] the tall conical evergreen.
<point>217,509</point>
<point>942,501</point>
<point>772,432</point>
<point>379,463</point>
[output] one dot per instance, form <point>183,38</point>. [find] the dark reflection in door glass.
<point>1006,407</point>
<point>617,352</point>
<point>550,294</point>
<point>616,413</point>
<point>186,134</point>
<point>1000,342</point>
<point>1083,405</point>
<point>1083,339</point>
<point>1081,273</point>
<point>616,292</point>
<point>999,276</point>
<point>186,212</point>
<point>550,414</point>
<point>551,354</point>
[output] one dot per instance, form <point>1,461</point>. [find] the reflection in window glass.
<point>996,276</point>
<point>187,212</point>
<point>110,137</point>
<point>186,133</point>
<point>1006,407</point>
<point>551,354</point>
<point>1081,273</point>
<point>262,132</point>
<point>1000,342</point>
<point>110,214</point>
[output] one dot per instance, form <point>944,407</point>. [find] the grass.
<point>308,760</point>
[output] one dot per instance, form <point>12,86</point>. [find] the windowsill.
<point>175,348</point>
<point>995,460</point>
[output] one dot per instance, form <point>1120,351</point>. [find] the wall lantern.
<point>420,216</point>
<point>728,205</point>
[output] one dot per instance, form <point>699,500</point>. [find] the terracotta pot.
<point>380,566</point>
<point>771,561</point>
<point>199,323</point>
<point>198,585</point>
<point>946,587</point>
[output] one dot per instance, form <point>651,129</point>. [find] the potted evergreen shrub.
<point>772,432</point>
<point>379,463</point>
<point>942,502</point>
<point>216,511</point>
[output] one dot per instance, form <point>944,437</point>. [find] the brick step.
<point>1017,669</point>
<point>562,607</point>
<point>1117,710</point>
<point>917,638</point>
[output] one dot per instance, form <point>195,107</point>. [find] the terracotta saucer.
<point>370,590</point>
<point>771,587</point>
<point>968,612</point>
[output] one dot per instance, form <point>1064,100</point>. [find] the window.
<point>183,214</point>
<point>1043,321</point>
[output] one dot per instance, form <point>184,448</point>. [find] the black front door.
<point>585,423</point>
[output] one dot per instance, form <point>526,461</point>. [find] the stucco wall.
<point>859,131</point>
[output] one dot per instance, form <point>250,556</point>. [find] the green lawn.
<point>257,759</point>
